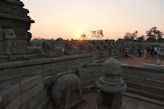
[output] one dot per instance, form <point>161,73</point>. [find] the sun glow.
<point>78,37</point>
<point>77,34</point>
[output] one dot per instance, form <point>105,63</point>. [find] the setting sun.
<point>77,34</point>
<point>78,37</point>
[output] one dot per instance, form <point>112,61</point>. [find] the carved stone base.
<point>109,101</point>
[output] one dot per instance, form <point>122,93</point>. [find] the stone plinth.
<point>111,85</point>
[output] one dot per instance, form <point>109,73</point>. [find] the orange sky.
<point>68,18</point>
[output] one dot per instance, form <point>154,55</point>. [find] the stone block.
<point>34,91</point>
<point>57,66</point>
<point>13,47</point>
<point>26,97</point>
<point>9,34</point>
<point>2,47</point>
<point>9,47</point>
<point>36,101</point>
<point>137,79</point>
<point>28,83</point>
<point>31,50</point>
<point>21,47</point>
<point>136,72</point>
<point>47,80</point>
<point>86,83</point>
<point>7,74</point>
<point>155,83</point>
<point>38,88</point>
<point>83,75</point>
<point>44,104</point>
<point>1,36</point>
<point>9,92</point>
<point>154,75</point>
<point>153,67</point>
<point>25,106</point>
<point>50,106</point>
<point>14,104</point>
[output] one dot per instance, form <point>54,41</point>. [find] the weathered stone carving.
<point>111,85</point>
<point>9,34</point>
<point>52,49</point>
<point>67,92</point>
<point>14,26</point>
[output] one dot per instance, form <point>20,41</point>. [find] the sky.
<point>69,18</point>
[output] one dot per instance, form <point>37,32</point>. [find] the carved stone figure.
<point>111,85</point>
<point>52,49</point>
<point>67,92</point>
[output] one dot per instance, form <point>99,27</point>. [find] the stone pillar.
<point>111,85</point>
<point>160,59</point>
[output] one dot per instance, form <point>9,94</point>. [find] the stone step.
<point>81,105</point>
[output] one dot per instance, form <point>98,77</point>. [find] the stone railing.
<point>147,81</point>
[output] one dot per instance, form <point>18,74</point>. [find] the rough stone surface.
<point>112,81</point>
<point>66,88</point>
<point>111,85</point>
<point>14,26</point>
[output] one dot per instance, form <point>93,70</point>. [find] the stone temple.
<point>64,74</point>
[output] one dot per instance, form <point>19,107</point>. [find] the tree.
<point>141,38</point>
<point>98,34</point>
<point>131,37</point>
<point>154,34</point>
<point>83,36</point>
<point>127,36</point>
<point>134,36</point>
<point>120,40</point>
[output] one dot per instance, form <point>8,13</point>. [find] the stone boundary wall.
<point>25,84</point>
<point>89,74</point>
<point>148,82</point>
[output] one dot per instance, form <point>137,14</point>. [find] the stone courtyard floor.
<point>127,103</point>
<point>138,61</point>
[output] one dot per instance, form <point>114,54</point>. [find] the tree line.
<point>152,35</point>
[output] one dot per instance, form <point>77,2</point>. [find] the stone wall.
<point>25,84</point>
<point>147,81</point>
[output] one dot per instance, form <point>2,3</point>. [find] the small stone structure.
<point>111,85</point>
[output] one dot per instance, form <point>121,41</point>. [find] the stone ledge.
<point>6,16</point>
<point>6,65</point>
<point>146,99</point>
<point>141,69</point>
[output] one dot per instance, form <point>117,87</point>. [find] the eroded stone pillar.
<point>111,85</point>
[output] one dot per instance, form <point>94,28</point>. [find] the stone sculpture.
<point>67,92</point>
<point>111,85</point>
